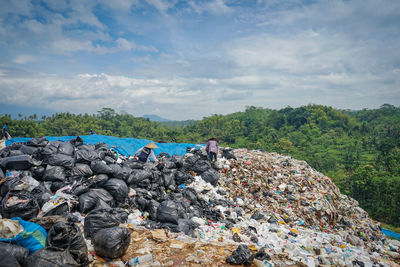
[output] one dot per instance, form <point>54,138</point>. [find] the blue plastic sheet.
<point>124,146</point>
<point>391,233</point>
<point>32,238</point>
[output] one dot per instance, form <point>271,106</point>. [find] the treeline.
<point>360,150</point>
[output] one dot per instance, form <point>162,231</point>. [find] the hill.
<point>359,150</point>
<point>153,117</point>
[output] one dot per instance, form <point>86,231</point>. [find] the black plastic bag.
<point>100,167</point>
<point>50,149</point>
<point>68,235</point>
<point>57,185</point>
<point>86,154</point>
<point>14,153</point>
<point>103,218</point>
<point>38,142</point>
<point>66,148</point>
<point>38,172</point>
<point>151,208</point>
<point>241,255</point>
<point>169,181</point>
<point>211,176</point>
<point>189,162</point>
<point>81,169</point>
<point>7,259</point>
<point>187,226</point>
<point>18,252</point>
<point>41,194</point>
<point>21,162</point>
<point>138,176</point>
<point>257,216</point>
<point>228,154</point>
<point>170,211</point>
<point>98,180</point>
<point>117,188</point>
<point>81,189</point>
<point>54,173</point>
<point>29,150</point>
<point>1,174</point>
<point>169,164</point>
<point>88,201</point>
<point>191,195</point>
<point>262,255</point>
<point>59,159</point>
<point>201,166</point>
<point>19,204</point>
<point>9,184</point>
<point>51,257</point>
<point>133,164</point>
<point>117,171</point>
<point>111,242</point>
<point>178,160</point>
<point>202,154</point>
<point>101,146</point>
<point>78,141</point>
<point>183,178</point>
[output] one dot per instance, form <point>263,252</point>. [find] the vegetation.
<point>360,150</point>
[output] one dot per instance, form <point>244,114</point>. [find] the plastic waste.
<point>20,162</point>
<point>19,204</point>
<point>117,188</point>
<point>241,255</point>
<point>140,260</point>
<point>103,218</point>
<point>50,257</point>
<point>88,201</point>
<point>69,236</point>
<point>111,242</point>
<point>33,236</point>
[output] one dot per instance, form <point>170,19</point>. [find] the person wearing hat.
<point>147,151</point>
<point>5,134</point>
<point>212,148</point>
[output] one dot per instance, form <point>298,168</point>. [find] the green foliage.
<point>360,150</point>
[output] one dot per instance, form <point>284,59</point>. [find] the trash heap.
<point>87,205</point>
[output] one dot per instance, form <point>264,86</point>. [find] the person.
<point>145,152</point>
<point>91,132</point>
<point>5,134</point>
<point>212,148</point>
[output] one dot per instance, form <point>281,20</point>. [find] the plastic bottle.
<point>140,259</point>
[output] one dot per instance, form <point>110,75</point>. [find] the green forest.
<point>359,150</point>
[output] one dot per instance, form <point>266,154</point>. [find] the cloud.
<point>195,58</point>
<point>23,59</point>
<point>120,5</point>
<point>213,7</point>
<point>161,5</point>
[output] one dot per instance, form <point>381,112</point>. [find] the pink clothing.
<point>212,146</point>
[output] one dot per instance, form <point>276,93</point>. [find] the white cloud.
<point>23,59</point>
<point>120,5</point>
<point>213,7</point>
<point>161,5</point>
<point>224,57</point>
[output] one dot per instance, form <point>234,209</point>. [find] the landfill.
<point>68,203</point>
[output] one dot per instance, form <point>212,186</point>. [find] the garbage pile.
<point>87,205</point>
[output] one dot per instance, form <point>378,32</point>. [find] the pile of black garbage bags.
<point>93,181</point>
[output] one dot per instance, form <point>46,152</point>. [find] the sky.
<point>191,59</point>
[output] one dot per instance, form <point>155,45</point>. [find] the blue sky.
<point>190,59</point>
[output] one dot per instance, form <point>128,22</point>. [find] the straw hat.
<point>151,145</point>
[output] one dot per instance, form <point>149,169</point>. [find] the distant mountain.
<point>155,118</point>
<point>14,110</point>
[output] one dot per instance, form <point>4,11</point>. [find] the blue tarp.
<point>124,146</point>
<point>391,233</point>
